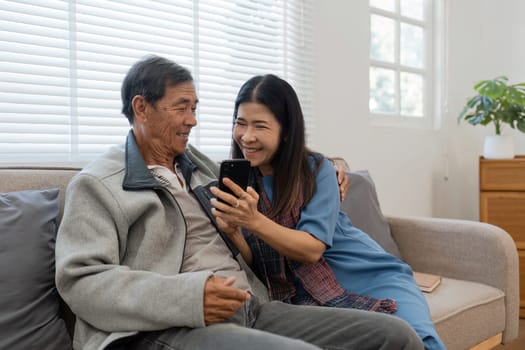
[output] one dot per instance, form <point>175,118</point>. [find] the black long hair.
<point>293,174</point>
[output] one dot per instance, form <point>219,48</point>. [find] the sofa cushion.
<point>28,298</point>
<point>478,308</point>
<point>362,206</point>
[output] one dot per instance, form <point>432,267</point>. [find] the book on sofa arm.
<point>426,281</point>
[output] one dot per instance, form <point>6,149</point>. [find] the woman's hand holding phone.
<point>238,171</point>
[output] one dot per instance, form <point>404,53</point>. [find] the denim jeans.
<point>280,326</point>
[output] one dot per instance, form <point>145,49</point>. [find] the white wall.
<point>483,45</point>
<point>409,165</point>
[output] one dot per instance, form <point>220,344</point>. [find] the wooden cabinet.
<point>502,203</point>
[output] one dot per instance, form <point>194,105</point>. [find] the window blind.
<point>63,62</point>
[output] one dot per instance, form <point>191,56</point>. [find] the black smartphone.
<point>236,170</point>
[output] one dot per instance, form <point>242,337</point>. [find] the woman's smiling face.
<point>258,134</point>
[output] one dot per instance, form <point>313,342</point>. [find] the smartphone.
<point>236,170</point>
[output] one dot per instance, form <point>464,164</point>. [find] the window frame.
<point>432,71</point>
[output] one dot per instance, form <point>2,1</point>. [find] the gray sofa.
<point>475,306</point>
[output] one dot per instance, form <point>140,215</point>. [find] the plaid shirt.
<point>318,280</point>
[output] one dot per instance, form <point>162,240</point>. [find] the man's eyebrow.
<point>184,100</point>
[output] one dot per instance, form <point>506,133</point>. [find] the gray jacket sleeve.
<point>118,257</point>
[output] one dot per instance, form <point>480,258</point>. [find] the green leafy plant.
<point>498,103</point>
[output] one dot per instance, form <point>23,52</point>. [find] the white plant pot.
<point>498,147</point>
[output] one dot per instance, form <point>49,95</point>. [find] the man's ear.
<point>140,106</point>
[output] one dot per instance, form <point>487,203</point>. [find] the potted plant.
<point>500,104</point>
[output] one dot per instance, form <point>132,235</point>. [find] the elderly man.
<point>143,266</point>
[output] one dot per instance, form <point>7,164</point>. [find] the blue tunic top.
<point>354,257</point>
<point>360,265</point>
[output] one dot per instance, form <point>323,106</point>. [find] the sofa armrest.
<point>465,250</point>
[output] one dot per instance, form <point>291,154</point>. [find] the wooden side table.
<point>502,203</point>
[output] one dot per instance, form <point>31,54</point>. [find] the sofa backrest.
<point>19,178</point>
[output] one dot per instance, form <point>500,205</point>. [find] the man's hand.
<point>341,166</point>
<point>221,300</point>
<point>342,180</point>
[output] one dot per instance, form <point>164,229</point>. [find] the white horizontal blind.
<point>63,62</point>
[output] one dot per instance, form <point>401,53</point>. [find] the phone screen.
<point>236,170</point>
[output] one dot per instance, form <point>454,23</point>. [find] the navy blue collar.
<point>138,175</point>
